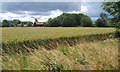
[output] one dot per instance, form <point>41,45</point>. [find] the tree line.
<point>15,23</point>
<point>66,20</point>
<point>75,20</point>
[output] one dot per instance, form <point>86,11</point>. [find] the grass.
<point>61,48</point>
<point>102,55</point>
<point>17,39</point>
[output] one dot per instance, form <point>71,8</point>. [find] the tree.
<point>110,22</point>
<point>52,22</point>
<point>5,23</point>
<point>86,22</point>
<point>16,22</point>
<point>29,23</point>
<point>113,8</point>
<point>99,23</point>
<point>104,17</point>
<point>68,21</point>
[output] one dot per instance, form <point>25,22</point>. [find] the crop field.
<point>59,48</point>
<point>19,34</point>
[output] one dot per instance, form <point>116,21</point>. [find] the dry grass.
<point>101,55</point>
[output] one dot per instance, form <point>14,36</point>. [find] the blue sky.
<point>27,11</point>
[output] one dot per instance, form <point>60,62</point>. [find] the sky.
<point>28,11</point>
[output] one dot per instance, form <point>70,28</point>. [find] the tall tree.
<point>113,8</point>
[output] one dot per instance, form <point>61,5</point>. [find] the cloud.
<point>84,9</point>
<point>43,11</point>
<point>29,15</point>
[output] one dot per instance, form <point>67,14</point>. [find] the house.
<point>38,24</point>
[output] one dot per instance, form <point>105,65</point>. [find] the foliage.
<point>29,23</point>
<point>113,8</point>
<point>99,23</point>
<point>5,23</point>
<point>15,23</point>
<point>110,22</point>
<point>52,22</point>
<point>69,20</point>
<point>86,22</point>
<point>104,17</point>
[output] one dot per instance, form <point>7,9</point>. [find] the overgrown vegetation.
<point>101,55</point>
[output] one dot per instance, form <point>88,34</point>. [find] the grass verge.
<point>102,55</point>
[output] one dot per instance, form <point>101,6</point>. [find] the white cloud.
<point>41,16</point>
<point>27,15</point>
<point>84,9</point>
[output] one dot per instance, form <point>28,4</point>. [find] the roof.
<point>39,23</point>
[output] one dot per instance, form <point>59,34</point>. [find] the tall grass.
<point>58,49</point>
<point>101,55</point>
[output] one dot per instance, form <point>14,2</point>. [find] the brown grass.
<point>101,55</point>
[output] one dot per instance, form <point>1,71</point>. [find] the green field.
<point>59,48</point>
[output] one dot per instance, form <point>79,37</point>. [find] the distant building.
<point>25,25</point>
<point>38,24</point>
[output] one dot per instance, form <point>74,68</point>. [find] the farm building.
<point>38,24</point>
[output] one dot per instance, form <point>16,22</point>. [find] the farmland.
<point>59,48</point>
<point>19,34</point>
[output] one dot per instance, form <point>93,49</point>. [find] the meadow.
<point>59,48</point>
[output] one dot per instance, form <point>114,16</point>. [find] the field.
<point>59,48</point>
<point>22,34</point>
<point>86,56</point>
